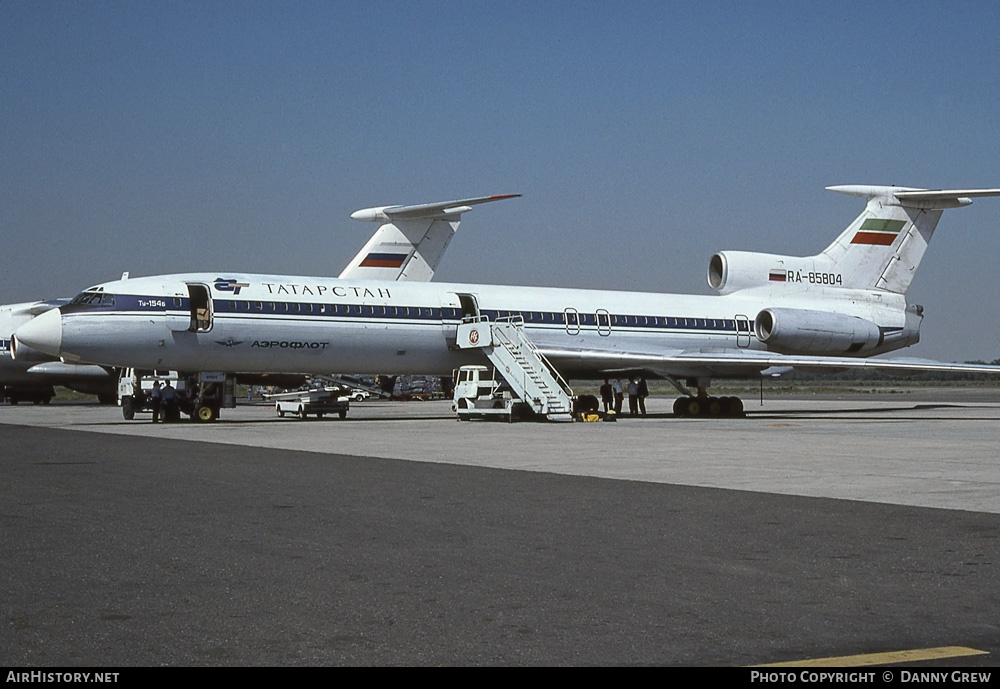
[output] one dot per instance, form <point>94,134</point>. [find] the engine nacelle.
<point>801,331</point>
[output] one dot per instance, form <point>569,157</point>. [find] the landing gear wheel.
<point>205,413</point>
<point>714,407</point>
<point>128,409</point>
<point>342,414</point>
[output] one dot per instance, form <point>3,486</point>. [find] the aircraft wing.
<point>732,363</point>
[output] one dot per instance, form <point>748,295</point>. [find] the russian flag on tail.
<point>374,260</point>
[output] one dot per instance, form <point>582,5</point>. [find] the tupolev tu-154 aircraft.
<point>828,312</point>
<point>408,245</point>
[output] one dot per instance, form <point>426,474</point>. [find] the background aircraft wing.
<point>33,308</point>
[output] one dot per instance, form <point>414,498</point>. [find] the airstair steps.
<point>531,376</point>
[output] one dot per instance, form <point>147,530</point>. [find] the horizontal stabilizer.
<point>946,194</point>
<point>911,196</point>
<point>425,210</point>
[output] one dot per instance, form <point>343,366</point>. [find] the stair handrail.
<point>518,323</point>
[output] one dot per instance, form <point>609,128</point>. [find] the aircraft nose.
<point>43,332</point>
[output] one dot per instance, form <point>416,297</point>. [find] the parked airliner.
<point>832,311</point>
<point>408,245</point>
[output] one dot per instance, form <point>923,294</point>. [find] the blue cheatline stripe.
<point>179,306</point>
<point>425,313</point>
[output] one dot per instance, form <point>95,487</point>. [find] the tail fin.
<point>411,240</point>
<point>883,247</point>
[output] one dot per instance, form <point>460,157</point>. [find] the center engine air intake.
<point>729,271</point>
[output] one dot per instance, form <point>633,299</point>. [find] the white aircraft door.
<point>196,316</point>
<point>176,315</point>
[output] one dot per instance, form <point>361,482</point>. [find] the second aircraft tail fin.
<point>880,250</point>
<point>884,245</point>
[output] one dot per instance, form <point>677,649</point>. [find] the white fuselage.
<point>291,324</point>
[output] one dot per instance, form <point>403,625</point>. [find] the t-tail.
<point>411,240</point>
<point>880,250</point>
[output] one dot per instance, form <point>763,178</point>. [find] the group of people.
<point>165,399</point>
<point>613,395</point>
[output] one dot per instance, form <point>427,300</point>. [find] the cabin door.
<point>201,314</point>
<point>176,311</point>
<point>457,307</point>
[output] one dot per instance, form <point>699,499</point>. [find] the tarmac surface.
<point>814,528</point>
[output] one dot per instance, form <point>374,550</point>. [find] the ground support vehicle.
<point>317,402</point>
<point>479,395</point>
<point>135,386</point>
<point>199,395</point>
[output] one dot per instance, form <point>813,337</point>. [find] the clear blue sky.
<point>160,137</point>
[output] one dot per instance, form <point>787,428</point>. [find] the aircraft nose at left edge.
<point>43,332</point>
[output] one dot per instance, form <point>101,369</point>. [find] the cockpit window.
<point>94,299</point>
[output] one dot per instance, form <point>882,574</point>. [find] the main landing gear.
<point>701,404</point>
<point>718,407</point>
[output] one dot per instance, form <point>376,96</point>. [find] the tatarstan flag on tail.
<point>878,232</point>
